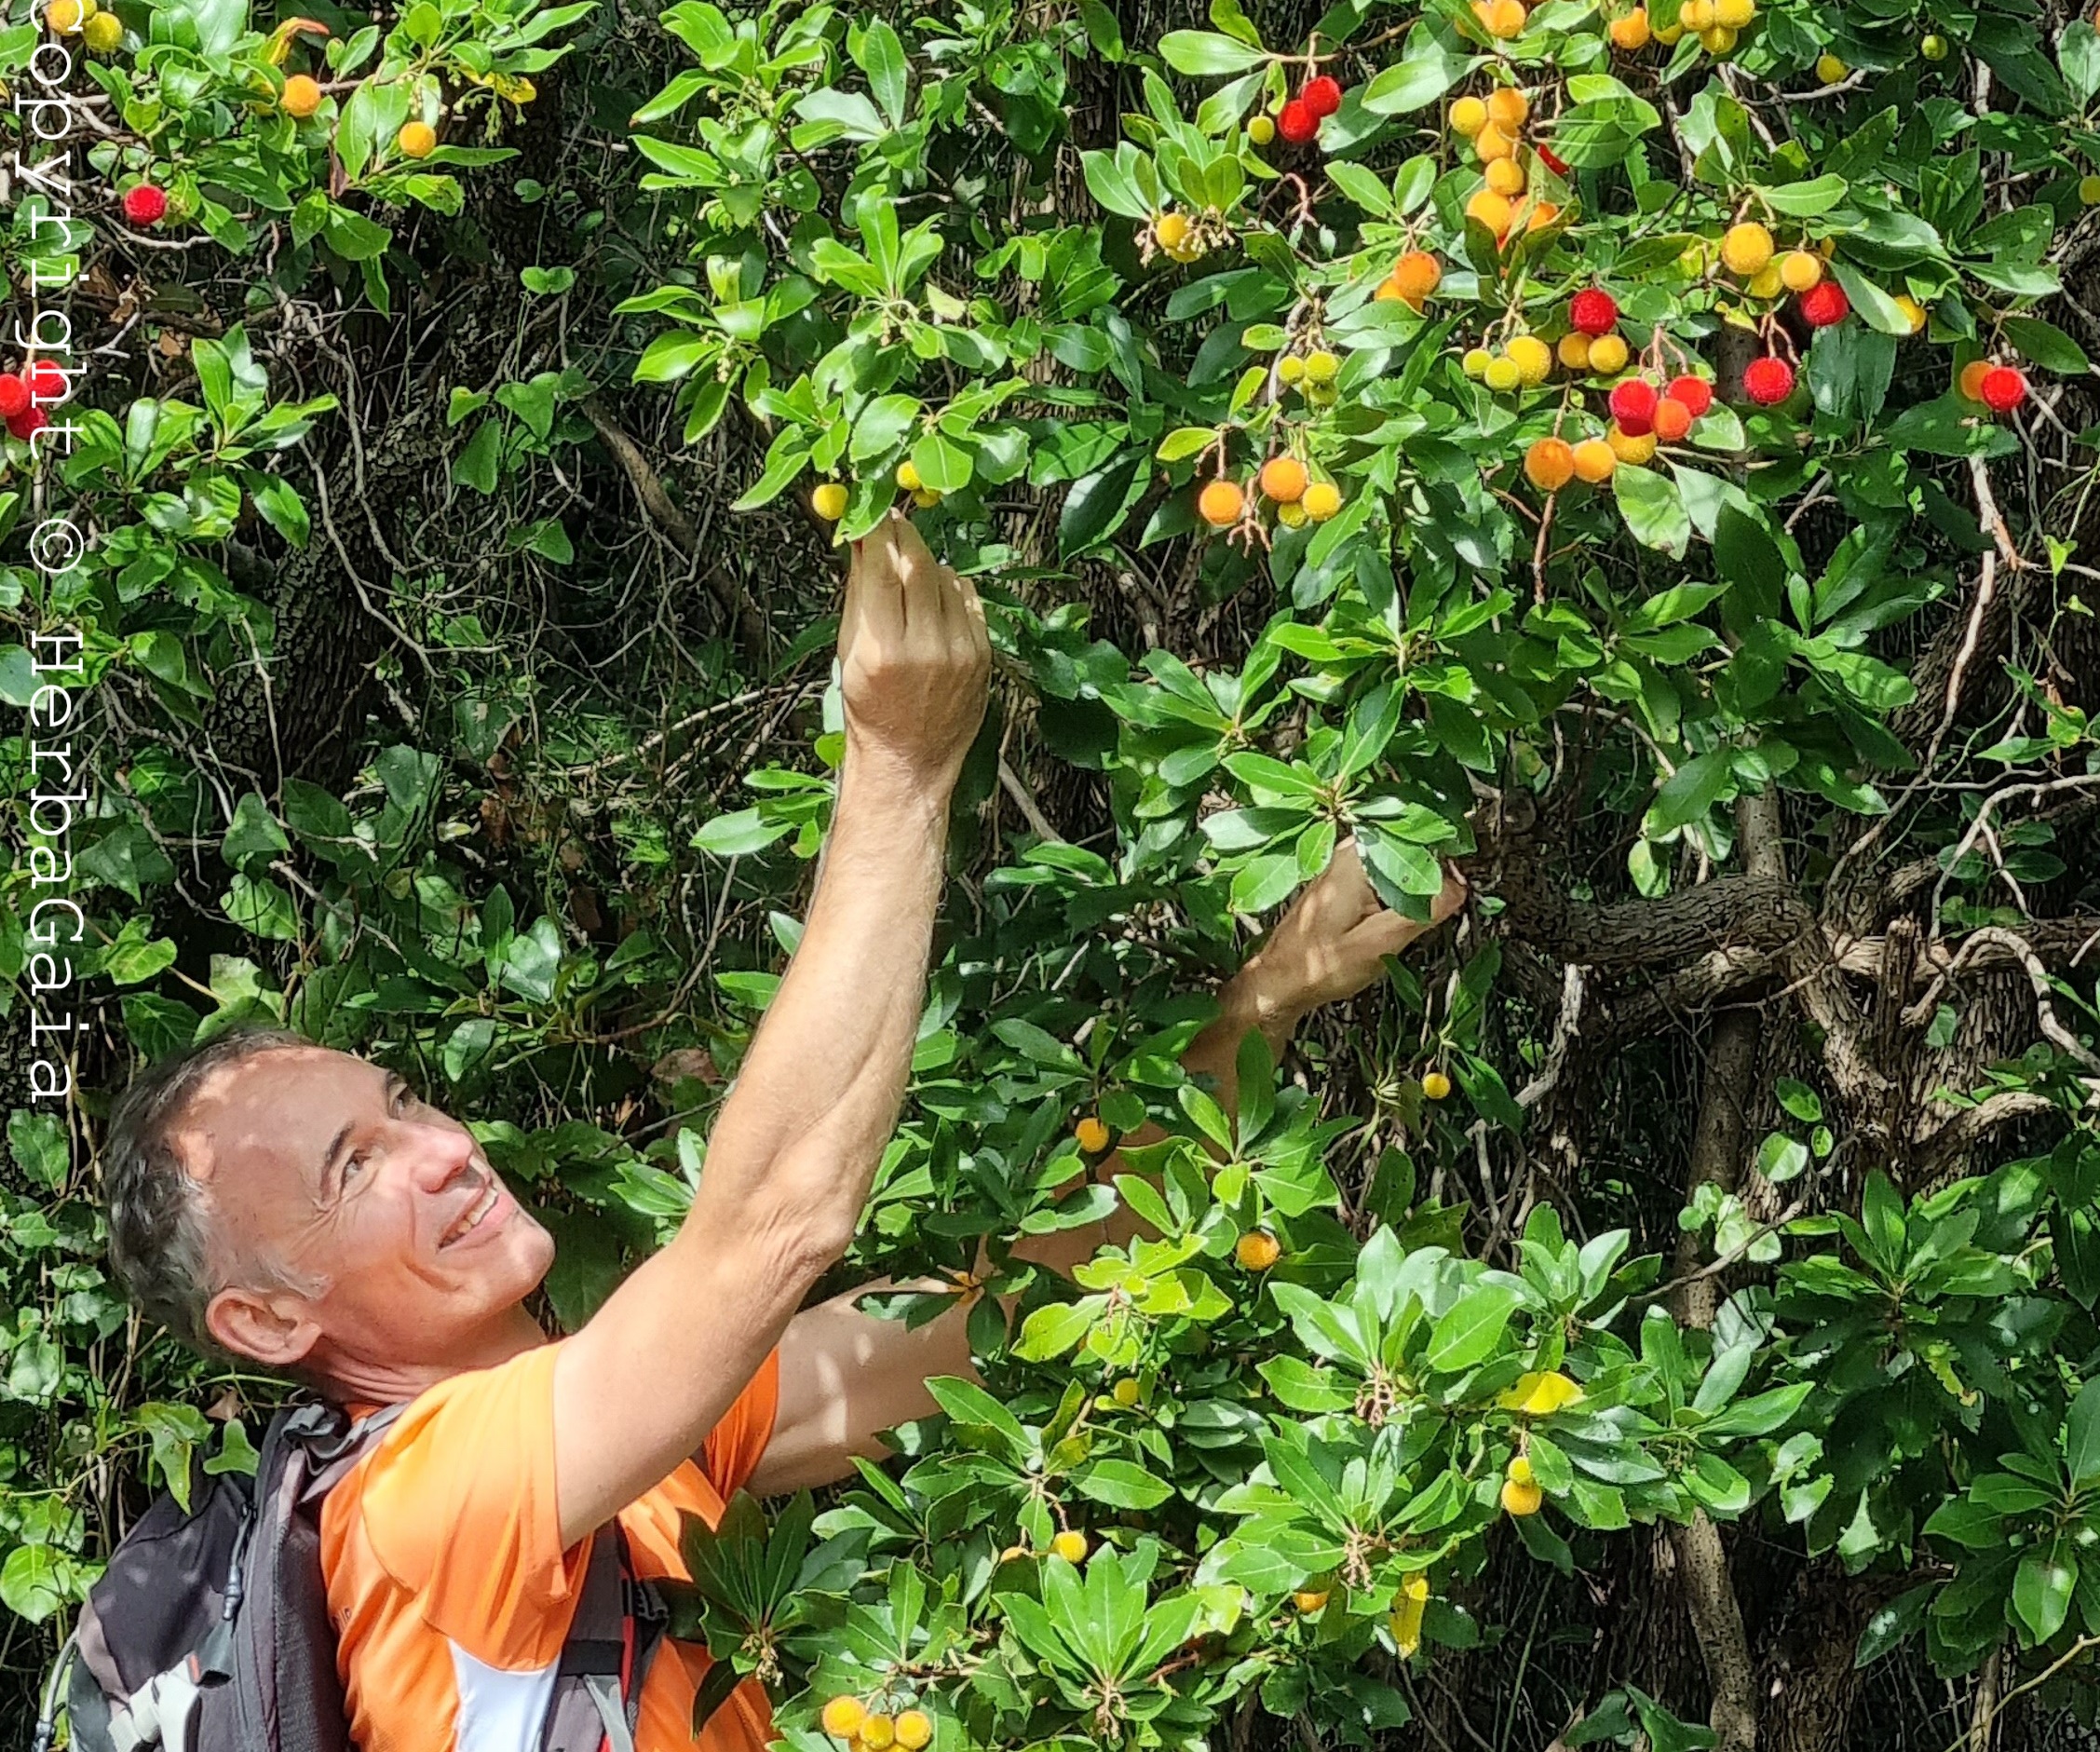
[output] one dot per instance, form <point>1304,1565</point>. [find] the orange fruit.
<point>1507,108</point>
<point>416,139</point>
<point>1970,382</point>
<point>1594,460</point>
<point>1574,350</point>
<point>1747,248</point>
<point>1093,1135</point>
<point>1504,176</point>
<point>877,1733</point>
<point>1492,209</point>
<point>1628,447</point>
<point>1491,143</point>
<point>1283,479</point>
<point>1391,291</point>
<point>1417,274</point>
<point>1631,33</point>
<point>1258,1250</point>
<point>1323,499</point>
<point>1672,419</point>
<point>1542,215</point>
<point>302,97</point>
<point>1220,503</point>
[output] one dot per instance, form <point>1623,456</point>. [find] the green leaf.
<point>1688,793</point>
<point>1470,1328</point>
<point>1653,508</point>
<point>2042,1590</point>
<point>2081,1436</point>
<point>478,464</point>
<point>1201,53</point>
<point>2047,344</point>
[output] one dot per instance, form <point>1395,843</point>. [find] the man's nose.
<point>441,1156</point>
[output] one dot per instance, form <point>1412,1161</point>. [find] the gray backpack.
<point>210,1630</point>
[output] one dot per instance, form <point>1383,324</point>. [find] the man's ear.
<point>274,1329</point>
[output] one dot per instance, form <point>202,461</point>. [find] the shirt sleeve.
<point>459,1508</point>
<point>736,1445</point>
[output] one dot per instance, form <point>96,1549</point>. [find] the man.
<point>304,1209</point>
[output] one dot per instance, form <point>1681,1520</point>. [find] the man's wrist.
<point>893,788</point>
<point>1246,1002</point>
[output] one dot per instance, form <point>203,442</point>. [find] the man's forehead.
<point>279,1107</point>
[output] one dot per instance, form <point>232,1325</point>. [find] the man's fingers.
<point>918,573</point>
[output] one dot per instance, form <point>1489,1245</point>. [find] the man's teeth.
<point>482,1206</point>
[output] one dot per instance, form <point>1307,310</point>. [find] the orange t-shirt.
<point>451,1594</point>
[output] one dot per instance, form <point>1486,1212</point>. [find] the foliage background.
<point>429,710</point>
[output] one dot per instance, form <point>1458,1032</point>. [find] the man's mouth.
<point>475,1214</point>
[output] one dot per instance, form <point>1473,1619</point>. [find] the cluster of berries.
<point>1999,388</point>
<point>1298,121</point>
<point>101,30</point>
<point>23,395</point>
<point>1523,363</point>
<point>872,1731</point>
<point>1285,482</point>
<point>1521,1494</point>
<point>1592,342</point>
<point>1494,125</point>
<point>1718,24</point>
<point>1750,252</point>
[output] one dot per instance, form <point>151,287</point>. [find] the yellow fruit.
<point>1322,367</point>
<point>1631,33</point>
<point>1504,176</point>
<point>1521,1500</point>
<point>1607,354</point>
<point>1667,35</point>
<point>1220,503</point>
<point>1534,358</point>
<point>1829,68</point>
<point>1507,107</point>
<point>1093,1135</point>
<point>926,498</point>
<point>1696,15</point>
<point>915,1730</point>
<point>1747,246</point>
<point>1261,130</point>
<point>1257,1250</point>
<point>1492,209</point>
<point>1171,229</point>
<point>1310,1600</point>
<point>1502,18</point>
<point>1799,269</point>
<point>1519,1471</point>
<point>1628,448</point>
<point>104,32</point>
<point>1933,47</point>
<point>1575,350</point>
<point>1071,1546</point>
<point>1766,283</point>
<point>416,139</point>
<point>1126,1393</point>
<point>66,15</point>
<point>1468,116</point>
<point>1322,395</point>
<point>1594,460</point>
<point>1718,40</point>
<point>1735,15</point>
<point>1503,374</point>
<point>1476,362</point>
<point>878,1732</point>
<point>1435,1085</point>
<point>908,476</point>
<point>1292,516</point>
<point>843,1717</point>
<point>1914,312</point>
<point>1542,1394</point>
<point>1290,368</point>
<point>302,97</point>
<point>1492,142</point>
<point>829,501</point>
<point>1283,479</point>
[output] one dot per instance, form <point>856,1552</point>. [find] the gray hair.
<point>160,1239</point>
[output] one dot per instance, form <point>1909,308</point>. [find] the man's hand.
<point>1331,943</point>
<point>913,660</point>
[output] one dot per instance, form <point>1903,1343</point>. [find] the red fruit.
<point>1594,311</point>
<point>46,381</point>
<point>1767,381</point>
<point>1297,122</point>
<point>1632,405</point>
<point>31,420</point>
<point>14,396</point>
<point>1824,304</point>
<point>1552,160</point>
<point>2004,388</point>
<point>145,205</point>
<point>1673,420</point>
<point>1322,96</point>
<point>1696,393</point>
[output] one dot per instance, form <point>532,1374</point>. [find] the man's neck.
<point>360,1381</point>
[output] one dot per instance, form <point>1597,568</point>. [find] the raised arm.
<point>846,1375</point>
<point>795,1151</point>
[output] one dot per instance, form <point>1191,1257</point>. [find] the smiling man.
<point>305,1209</point>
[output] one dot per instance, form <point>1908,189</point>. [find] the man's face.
<point>333,1170</point>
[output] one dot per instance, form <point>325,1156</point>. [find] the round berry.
<point>1549,465</point>
<point>302,97</point>
<point>1322,96</point>
<point>1799,269</point>
<point>1468,116</point>
<point>1767,381</point>
<point>1825,305</point>
<point>1296,123</point>
<point>1631,33</point>
<point>1323,499</point>
<point>1533,358</point>
<point>1747,248</point>
<point>1632,405</point>
<point>416,139</point>
<point>1934,47</point>
<point>1257,1250</point>
<point>1503,374</point>
<point>28,422</point>
<point>915,1730</point>
<point>1435,1085</point>
<point>144,204</point>
<point>1673,420</point>
<point>104,32</point>
<point>829,501</point>
<point>1696,394</point>
<point>1492,209</point>
<point>1262,130</point>
<point>1507,108</point>
<point>1609,353</point>
<point>1283,479</point>
<point>1630,446</point>
<point>1593,311</point>
<point>1416,274</point>
<point>1322,366</point>
<point>2003,389</point>
<point>1594,461</point>
<point>1220,503</point>
<point>1829,68</point>
<point>1574,350</point>
<point>14,396</point>
<point>843,1717</point>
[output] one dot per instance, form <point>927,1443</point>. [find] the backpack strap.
<point>589,1710</point>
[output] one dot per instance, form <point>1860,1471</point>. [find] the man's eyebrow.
<point>394,1082</point>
